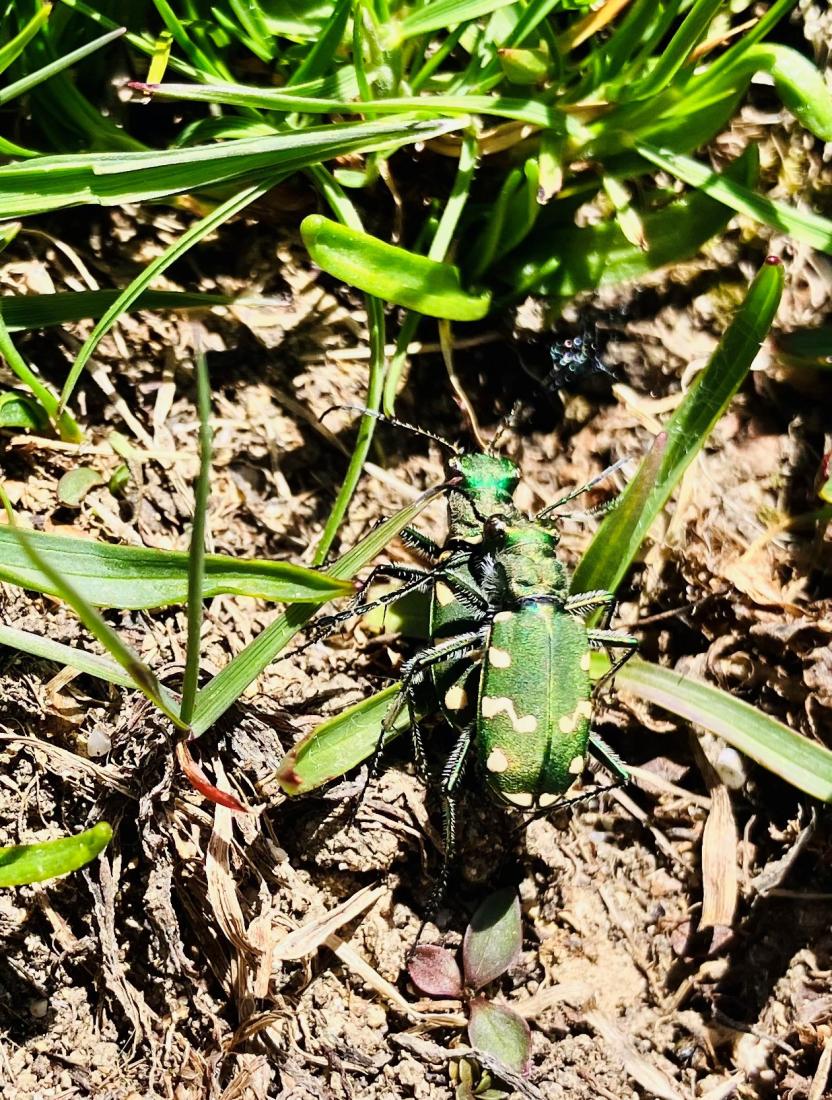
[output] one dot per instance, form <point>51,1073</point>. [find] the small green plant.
<point>492,944</point>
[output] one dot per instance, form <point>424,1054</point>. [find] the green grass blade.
<point>801,224</point>
<point>349,217</point>
<point>240,95</point>
<point>366,427</point>
<point>323,49</point>
<point>102,668</point>
<point>620,536</point>
<point>24,863</point>
<point>442,238</point>
<point>142,676</point>
<point>222,691</point>
<point>805,764</point>
<point>112,179</point>
<point>27,311</point>
<point>31,80</point>
<point>196,549</point>
<point>136,577</point>
<point>442,14</point>
<point>15,46</point>
<point>673,57</point>
<point>339,744</point>
<point>65,422</point>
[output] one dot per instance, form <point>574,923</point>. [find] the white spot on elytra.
<point>497,761</point>
<point>576,765</point>
<point>456,698</point>
<point>567,723</point>
<point>585,662</point>
<point>520,798</point>
<point>584,708</point>
<point>503,616</point>
<point>491,707</point>
<point>499,658</point>
<point>443,594</point>
<point>546,800</point>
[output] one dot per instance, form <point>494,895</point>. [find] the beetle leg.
<point>419,755</point>
<point>452,775</point>
<point>582,602</point>
<point>612,639</point>
<point>609,758</point>
<point>412,577</point>
<point>423,546</point>
<point>546,512</point>
<point>412,671</point>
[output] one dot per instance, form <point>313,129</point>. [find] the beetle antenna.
<point>508,421</point>
<point>546,512</point>
<point>397,423</point>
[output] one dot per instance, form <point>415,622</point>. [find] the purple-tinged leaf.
<point>493,939</point>
<point>498,1030</point>
<point>434,971</point>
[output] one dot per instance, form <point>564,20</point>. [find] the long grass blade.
<point>801,224</point>
<point>141,675</point>
<point>805,764</point>
<point>196,551</point>
<point>620,536</point>
<point>138,577</point>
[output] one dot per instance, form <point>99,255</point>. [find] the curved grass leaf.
<point>141,675</point>
<point>127,297</point>
<point>618,539</point>
<point>338,744</point>
<point>65,422</point>
<point>31,80</point>
<point>24,863</point>
<point>137,577</point>
<point>17,411</point>
<point>27,311</point>
<point>390,273</point>
<point>805,764</point>
<point>15,46</point>
<point>529,110</point>
<point>805,347</point>
<point>93,664</point>
<point>800,224</point>
<point>442,14</point>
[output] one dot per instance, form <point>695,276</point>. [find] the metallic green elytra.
<point>534,689</point>
<point>534,703</point>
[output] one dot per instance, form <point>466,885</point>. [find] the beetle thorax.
<point>530,567</point>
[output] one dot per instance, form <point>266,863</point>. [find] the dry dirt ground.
<point>163,969</point>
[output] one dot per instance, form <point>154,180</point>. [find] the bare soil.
<point>162,971</point>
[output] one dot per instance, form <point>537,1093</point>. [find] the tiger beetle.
<point>509,653</point>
